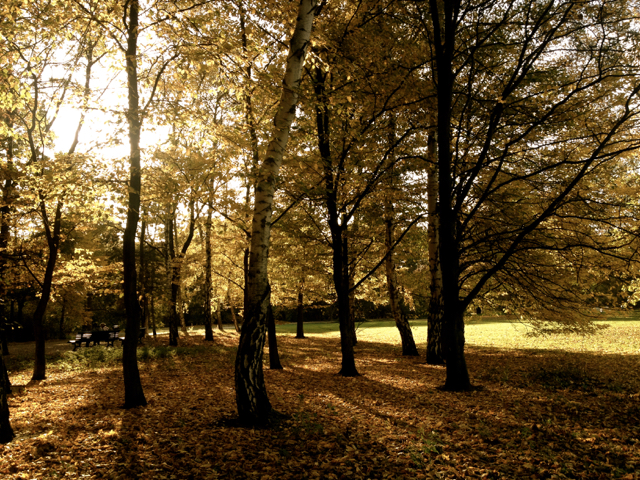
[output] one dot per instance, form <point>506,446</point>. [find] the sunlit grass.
<point>621,337</point>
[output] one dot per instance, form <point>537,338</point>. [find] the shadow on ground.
<point>540,414</point>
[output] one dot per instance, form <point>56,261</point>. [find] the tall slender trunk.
<point>4,341</point>
<point>255,154</point>
<point>61,334</point>
<point>274,355</point>
<point>300,311</point>
<point>8,196</point>
<point>5,374</point>
<point>251,395</point>
<point>349,274</point>
<point>208,321</point>
<point>53,241</point>
<point>143,278</point>
<point>219,311</point>
<point>181,304</point>
<point>170,259</point>
<point>174,317</point>
<point>231,307</point>
<point>52,234</point>
<point>177,262</point>
<point>435,354</point>
<point>406,335</point>
<point>453,324</point>
<point>133,392</point>
<point>6,432</point>
<point>153,316</point>
<point>339,261</point>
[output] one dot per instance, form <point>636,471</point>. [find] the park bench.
<point>98,336</point>
<point>80,339</point>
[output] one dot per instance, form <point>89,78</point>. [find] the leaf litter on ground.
<point>542,413</point>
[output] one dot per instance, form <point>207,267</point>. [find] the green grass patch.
<point>100,356</point>
<point>621,337</point>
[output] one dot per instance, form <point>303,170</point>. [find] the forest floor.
<point>564,407</point>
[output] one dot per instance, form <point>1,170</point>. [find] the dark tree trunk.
<point>5,375</point>
<point>234,317</point>
<point>339,262</point>
<point>177,261</point>
<point>208,321</point>
<point>348,281</point>
<point>144,300</point>
<point>274,355</point>
<point>299,313</point>
<point>453,325</point>
<point>53,241</point>
<point>8,195</point>
<point>406,335</point>
<point>61,334</point>
<point>5,341</point>
<point>174,317</point>
<point>435,353</point>
<point>133,392</point>
<point>246,280</point>
<point>153,316</point>
<point>435,341</point>
<point>171,261</point>
<point>6,432</point>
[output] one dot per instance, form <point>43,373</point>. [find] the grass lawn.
<point>622,335</point>
<point>562,407</point>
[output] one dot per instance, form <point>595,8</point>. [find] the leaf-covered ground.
<point>542,413</point>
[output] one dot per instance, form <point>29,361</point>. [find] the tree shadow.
<point>390,419</point>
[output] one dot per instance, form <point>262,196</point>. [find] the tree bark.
<point>340,282</point>
<point>348,274</point>
<point>274,355</point>
<point>177,261</point>
<point>8,196</point>
<point>53,241</point>
<point>300,311</point>
<point>133,392</point>
<point>6,432</point>
<point>61,334</point>
<point>453,325</point>
<point>153,316</point>
<point>233,311</point>
<point>406,335</point>
<point>251,395</point>
<point>435,355</point>
<point>173,285</point>
<point>143,279</point>
<point>208,321</point>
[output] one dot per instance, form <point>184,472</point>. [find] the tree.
<point>6,432</point>
<point>49,185</point>
<point>134,394</point>
<point>251,396</point>
<point>355,97</point>
<point>524,94</point>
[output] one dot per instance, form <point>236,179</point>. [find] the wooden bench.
<point>107,336</point>
<point>80,339</point>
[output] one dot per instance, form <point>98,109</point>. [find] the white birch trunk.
<point>251,396</point>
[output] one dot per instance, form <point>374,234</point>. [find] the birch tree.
<point>251,395</point>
